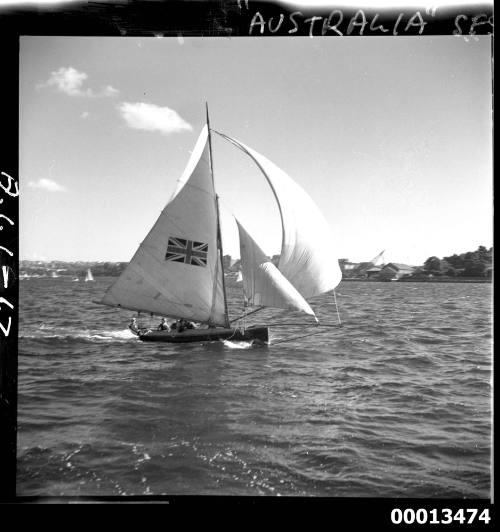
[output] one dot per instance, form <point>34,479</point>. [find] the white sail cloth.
<point>177,269</point>
<point>263,283</point>
<point>308,259</point>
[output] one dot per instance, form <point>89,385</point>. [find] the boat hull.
<point>207,335</point>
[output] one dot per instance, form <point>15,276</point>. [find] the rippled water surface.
<point>396,403</point>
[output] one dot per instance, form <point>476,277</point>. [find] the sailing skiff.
<point>212,334</point>
<point>178,272</point>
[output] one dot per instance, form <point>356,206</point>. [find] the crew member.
<point>133,326</point>
<point>163,325</point>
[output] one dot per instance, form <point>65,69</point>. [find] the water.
<point>396,403</point>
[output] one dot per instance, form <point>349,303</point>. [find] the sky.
<point>390,136</point>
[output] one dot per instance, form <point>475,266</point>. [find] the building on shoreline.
<point>395,271</point>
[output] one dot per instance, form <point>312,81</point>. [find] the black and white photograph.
<point>256,266</point>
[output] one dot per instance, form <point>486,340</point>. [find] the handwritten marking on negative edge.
<point>6,330</point>
<point>9,186</point>
<point>12,189</point>
<point>357,23</point>
<point>358,20</point>
<point>7,218</point>
<point>476,21</point>
<point>5,275</point>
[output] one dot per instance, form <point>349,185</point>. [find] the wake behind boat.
<point>178,270</point>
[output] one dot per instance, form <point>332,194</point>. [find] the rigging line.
<point>297,337</point>
<point>221,258</point>
<point>244,315</point>
<point>219,236</point>
<point>235,331</point>
<point>277,315</point>
<point>337,308</point>
<point>139,311</point>
<point>287,324</point>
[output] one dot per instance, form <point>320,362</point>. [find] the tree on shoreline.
<point>469,264</point>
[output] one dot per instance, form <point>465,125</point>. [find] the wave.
<point>397,402</point>
<point>237,345</point>
<point>47,332</point>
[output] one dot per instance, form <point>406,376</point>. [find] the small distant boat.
<point>54,274</point>
<point>89,276</point>
<point>178,269</point>
<point>75,279</point>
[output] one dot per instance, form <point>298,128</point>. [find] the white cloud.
<point>70,81</point>
<point>151,117</point>
<point>46,184</point>
<point>109,91</point>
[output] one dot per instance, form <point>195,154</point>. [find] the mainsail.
<point>307,256</point>
<point>177,269</point>
<point>263,283</point>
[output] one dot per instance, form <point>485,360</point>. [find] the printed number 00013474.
<point>443,516</point>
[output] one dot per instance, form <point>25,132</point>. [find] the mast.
<point>219,237</point>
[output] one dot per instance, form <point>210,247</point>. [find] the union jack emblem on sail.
<point>187,251</point>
